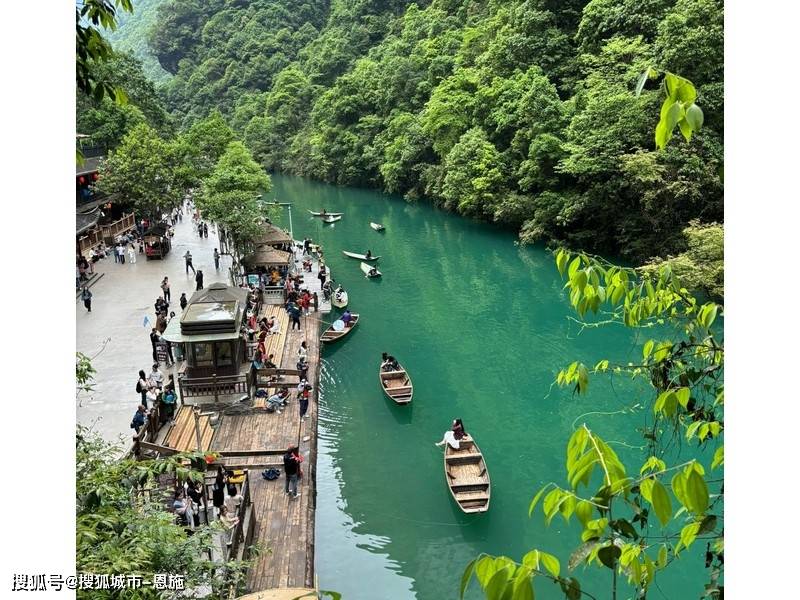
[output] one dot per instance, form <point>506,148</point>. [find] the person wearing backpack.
<point>141,386</point>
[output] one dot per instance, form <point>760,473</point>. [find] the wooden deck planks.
<point>284,525</point>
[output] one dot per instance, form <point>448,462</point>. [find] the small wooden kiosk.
<point>214,349</point>
<point>156,241</point>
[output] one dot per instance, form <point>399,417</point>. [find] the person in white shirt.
<point>121,253</point>
<point>132,254</point>
<point>233,499</point>
<point>156,379</point>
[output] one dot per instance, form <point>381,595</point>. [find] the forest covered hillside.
<point>521,112</point>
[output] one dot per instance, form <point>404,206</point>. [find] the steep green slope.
<point>520,112</point>
<point>132,34</point>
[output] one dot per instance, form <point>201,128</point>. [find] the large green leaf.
<point>550,563</point>
<point>661,503</point>
<point>696,493</point>
<point>466,577</point>
<point>694,116</point>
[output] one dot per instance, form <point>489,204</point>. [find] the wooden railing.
<point>119,226</point>
<point>266,378</point>
<point>274,295</point>
<point>239,535</point>
<point>86,242</point>
<point>148,432</point>
<point>214,386</point>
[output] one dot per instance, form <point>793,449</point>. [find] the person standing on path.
<point>188,258</point>
<point>156,378</point>
<point>141,386</point>
<point>199,279</point>
<point>205,230</point>
<point>294,314</point>
<point>304,398</point>
<point>291,467</point>
<point>165,289</point>
<point>183,301</point>
<point>200,229</point>
<point>132,254</point>
<point>154,339</point>
<point>86,296</point>
<point>216,259</point>
<point>139,418</point>
<point>121,253</point>
<point>323,274</point>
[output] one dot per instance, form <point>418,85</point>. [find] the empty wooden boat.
<point>397,385</point>
<point>325,214</point>
<point>466,476</point>
<point>359,256</point>
<point>341,301</point>
<point>331,219</point>
<point>368,270</point>
<point>331,335</point>
<point>377,226</point>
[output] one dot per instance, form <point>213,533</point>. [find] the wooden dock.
<point>256,440</point>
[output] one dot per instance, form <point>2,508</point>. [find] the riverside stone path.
<point>114,334</point>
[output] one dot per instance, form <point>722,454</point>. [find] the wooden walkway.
<point>182,434</point>
<point>256,440</point>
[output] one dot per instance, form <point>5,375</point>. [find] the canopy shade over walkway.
<point>266,256</point>
<point>272,236</point>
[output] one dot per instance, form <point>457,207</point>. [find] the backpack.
<point>271,474</point>
<point>138,386</point>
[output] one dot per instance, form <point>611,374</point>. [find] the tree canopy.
<point>381,93</point>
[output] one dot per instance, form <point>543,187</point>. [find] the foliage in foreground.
<point>635,519</point>
<point>123,525</point>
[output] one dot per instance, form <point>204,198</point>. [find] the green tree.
<point>92,49</point>
<point>106,122</point>
<point>230,195</point>
<point>701,266</point>
<point>202,145</point>
<point>473,180</point>
<point>141,171</point>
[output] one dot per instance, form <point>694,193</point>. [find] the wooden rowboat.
<point>340,303</point>
<point>377,226</point>
<point>366,268</point>
<point>359,256</point>
<point>331,335</point>
<point>327,214</point>
<point>397,385</point>
<point>331,219</point>
<point>466,476</point>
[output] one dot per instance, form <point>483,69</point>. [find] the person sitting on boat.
<point>389,363</point>
<point>368,254</point>
<point>347,318</point>
<point>453,436</point>
<point>323,212</point>
<point>373,272</point>
<point>339,293</point>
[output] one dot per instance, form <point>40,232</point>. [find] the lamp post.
<point>289,206</point>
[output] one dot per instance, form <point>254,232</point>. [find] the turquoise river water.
<point>483,326</point>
